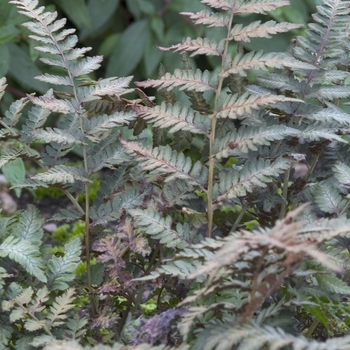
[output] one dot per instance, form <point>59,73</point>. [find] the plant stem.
<point>313,164</point>
<point>239,218</point>
<point>311,329</point>
<point>345,208</point>
<point>87,229</point>
<point>285,194</point>
<point>212,133</point>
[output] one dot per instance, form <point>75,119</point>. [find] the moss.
<point>65,233</point>
<point>93,188</point>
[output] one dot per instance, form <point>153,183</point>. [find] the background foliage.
<point>126,34</point>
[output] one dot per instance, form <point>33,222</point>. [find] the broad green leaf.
<point>152,56</point>
<point>147,7</point>
<point>186,5</point>
<point>100,12</point>
<point>106,48</point>
<point>77,12</point>
<point>24,70</point>
<point>157,25</point>
<point>129,50</point>
<point>8,32</point>
<point>15,173</point>
<point>297,11</point>
<point>134,8</point>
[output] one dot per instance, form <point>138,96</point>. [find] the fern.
<point>189,80</point>
<point>221,159</point>
<point>163,160</point>
<point>160,228</point>
<point>175,117</point>
<point>61,270</point>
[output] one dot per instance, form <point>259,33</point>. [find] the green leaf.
<point>15,173</point>
<point>108,44</point>
<point>129,50</point>
<point>152,56</point>
<point>24,70</point>
<point>8,32</point>
<point>146,7</point>
<point>77,12</point>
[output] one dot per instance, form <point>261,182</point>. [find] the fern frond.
<point>158,227</point>
<point>178,268</point>
<point>55,79</point>
<point>328,115</point>
<point>14,153</point>
<point>52,104</point>
<point>13,114</point>
<point>26,254</point>
<point>57,135</point>
<point>163,160</point>
<point>235,106</point>
<point>342,173</point>
<point>61,174</point>
<point>238,181</point>
<point>316,133</point>
<point>113,209</point>
<point>29,226</point>
<point>247,138</point>
<point>324,43</point>
<point>102,123</point>
<point>59,308</point>
<point>37,117</point>
<point>282,82</point>
<point>106,154</point>
<point>66,215</point>
<point>175,117</point>
<point>329,92</point>
<point>329,282</point>
<point>258,30</point>
<point>259,60</point>
<point>328,198</point>
<point>61,270</point>
<point>28,183</point>
<point>185,80</point>
<point>85,66</point>
<point>252,336</point>
<point>257,6</point>
<point>208,18</point>
<point>251,6</point>
<point>47,30</point>
<point>199,46</point>
<point>104,87</point>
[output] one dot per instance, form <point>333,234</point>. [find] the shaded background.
<point>126,33</point>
